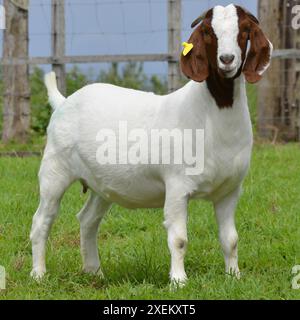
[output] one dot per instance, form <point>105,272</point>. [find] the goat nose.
<point>227,58</point>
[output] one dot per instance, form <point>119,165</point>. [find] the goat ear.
<point>259,55</point>
<point>195,64</point>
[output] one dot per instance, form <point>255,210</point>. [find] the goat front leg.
<point>175,212</point>
<point>225,212</point>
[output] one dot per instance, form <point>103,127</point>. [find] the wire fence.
<point>101,27</point>
<point>127,27</point>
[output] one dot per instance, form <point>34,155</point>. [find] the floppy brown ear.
<point>259,56</point>
<point>195,64</point>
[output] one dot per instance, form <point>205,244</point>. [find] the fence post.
<point>290,93</point>
<point>58,42</point>
<point>16,106</point>
<point>268,90</point>
<point>278,98</point>
<point>174,43</point>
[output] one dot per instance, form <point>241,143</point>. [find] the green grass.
<point>36,144</point>
<point>133,245</point>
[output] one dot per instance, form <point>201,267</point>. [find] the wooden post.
<point>278,97</point>
<point>58,42</point>
<point>291,75</point>
<point>174,43</point>
<point>16,108</point>
<point>268,107</point>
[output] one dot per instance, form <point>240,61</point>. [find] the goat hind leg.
<point>54,180</point>
<point>90,217</point>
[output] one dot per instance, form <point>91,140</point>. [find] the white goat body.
<point>71,151</point>
<point>228,139</point>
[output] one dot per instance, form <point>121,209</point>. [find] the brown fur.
<point>201,63</point>
<point>259,54</point>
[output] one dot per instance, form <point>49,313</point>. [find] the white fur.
<point>55,97</point>
<point>71,149</point>
<point>225,23</point>
<point>264,69</point>
<point>70,155</point>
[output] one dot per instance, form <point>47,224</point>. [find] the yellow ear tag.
<point>187,48</point>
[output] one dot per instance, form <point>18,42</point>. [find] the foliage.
<point>75,80</point>
<point>159,86</point>
<point>131,76</point>
<point>133,244</point>
<point>40,109</point>
<point>1,98</point>
<point>252,103</point>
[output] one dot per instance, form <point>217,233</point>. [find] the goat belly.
<point>125,186</point>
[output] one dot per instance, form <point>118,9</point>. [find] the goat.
<point>218,63</point>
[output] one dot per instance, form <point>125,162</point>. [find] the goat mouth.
<point>227,73</point>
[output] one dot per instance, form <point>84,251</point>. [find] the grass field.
<point>133,245</point>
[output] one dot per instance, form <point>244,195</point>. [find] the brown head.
<point>220,47</point>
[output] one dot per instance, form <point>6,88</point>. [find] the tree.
<point>131,75</point>
<point>159,86</point>
<point>75,80</point>
<point>1,98</point>
<point>16,110</point>
<point>40,109</point>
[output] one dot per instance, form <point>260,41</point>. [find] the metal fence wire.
<point>98,32</point>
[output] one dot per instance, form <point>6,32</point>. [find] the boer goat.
<point>218,62</point>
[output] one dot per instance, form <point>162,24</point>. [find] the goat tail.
<point>56,99</point>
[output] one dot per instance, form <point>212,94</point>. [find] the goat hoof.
<point>178,283</point>
<point>94,271</point>
<point>235,272</point>
<point>37,275</point>
<point>100,274</point>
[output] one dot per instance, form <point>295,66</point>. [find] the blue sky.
<point>115,27</point>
